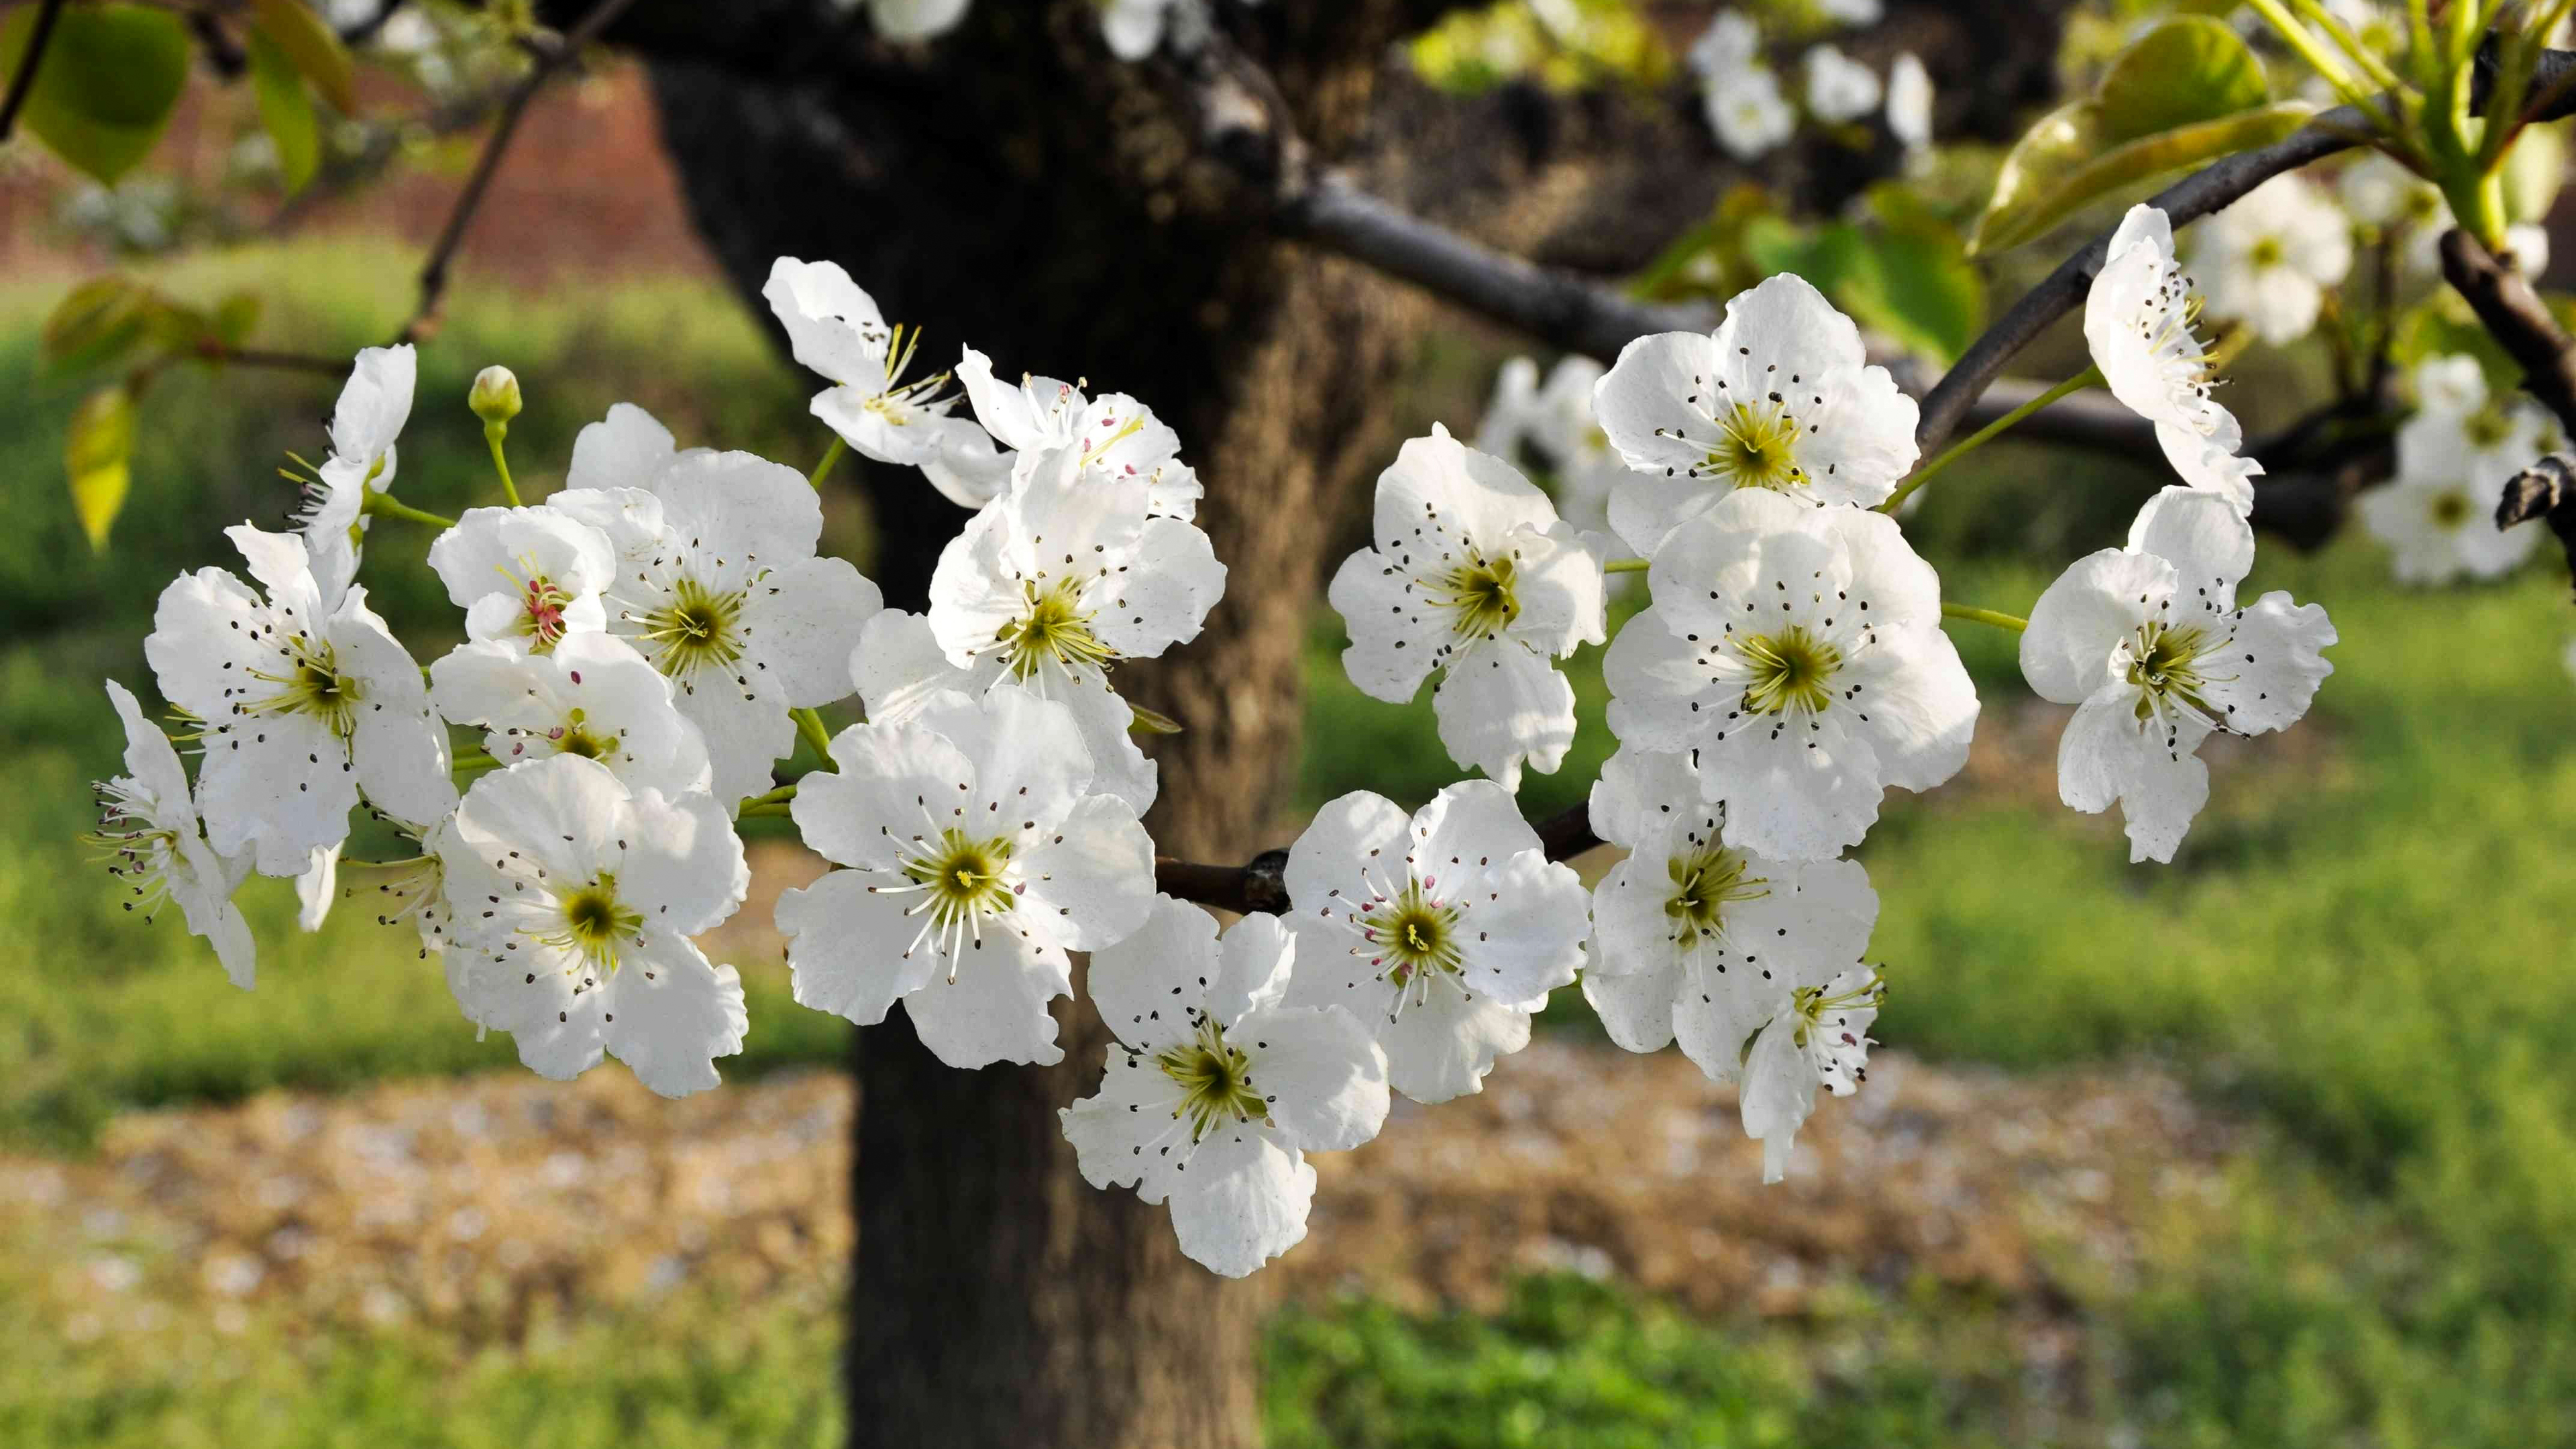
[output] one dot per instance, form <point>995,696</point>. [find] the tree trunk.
<point>1016,191</point>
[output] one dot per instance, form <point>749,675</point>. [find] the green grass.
<point>2363,946</point>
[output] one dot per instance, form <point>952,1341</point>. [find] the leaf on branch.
<point>1909,279</point>
<point>98,452</point>
<point>312,46</point>
<point>2185,94</point>
<point>1148,722</point>
<point>286,110</point>
<point>97,323</point>
<point>106,85</point>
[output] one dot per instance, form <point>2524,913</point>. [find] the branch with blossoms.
<point>646,644</point>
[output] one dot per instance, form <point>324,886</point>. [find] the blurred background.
<point>2272,1146</point>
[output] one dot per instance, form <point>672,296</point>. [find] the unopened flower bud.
<point>495,398</point>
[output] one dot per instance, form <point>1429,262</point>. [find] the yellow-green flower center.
<point>2267,252</point>
<point>963,878</point>
<point>541,613</point>
<point>1757,448</point>
<point>575,737</point>
<point>1215,1079</point>
<point>312,684</point>
<point>1411,933</point>
<point>1053,627</point>
<point>1808,1004</point>
<point>594,924</point>
<point>2487,427</point>
<point>1480,598</point>
<point>2164,666</point>
<point>1704,883</point>
<point>2450,509</point>
<point>697,628</point>
<point>1792,670</point>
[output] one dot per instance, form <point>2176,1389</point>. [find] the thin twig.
<point>25,80</point>
<point>549,59</point>
<point>282,361</point>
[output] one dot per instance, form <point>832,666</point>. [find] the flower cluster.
<point>645,646</point>
<point>2454,458</point>
<point>1751,112</point>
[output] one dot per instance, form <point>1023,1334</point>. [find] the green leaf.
<point>236,316</point>
<point>1910,281</point>
<point>97,322</point>
<point>2185,71</point>
<point>286,110</point>
<point>98,454</point>
<point>106,84</point>
<point>2185,93</point>
<point>313,46</point>
<point>2535,165</point>
<point>2075,170</point>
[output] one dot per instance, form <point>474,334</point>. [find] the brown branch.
<point>550,56</point>
<point>1262,884</point>
<point>218,352</point>
<point>24,82</point>
<point>2514,315</point>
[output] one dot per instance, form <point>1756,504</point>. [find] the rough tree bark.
<point>1013,188</point>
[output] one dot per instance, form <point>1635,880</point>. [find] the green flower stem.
<point>2087,378</point>
<point>474,762</point>
<point>385,504</point>
<point>493,433</point>
<point>778,796</point>
<point>2315,13</point>
<point>831,455</point>
<point>778,809</point>
<point>1624,566</point>
<point>2305,42</point>
<point>811,724</point>
<point>1996,617</point>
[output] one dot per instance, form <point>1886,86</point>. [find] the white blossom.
<point>2138,324</point>
<point>1552,421</point>
<point>1781,397</point>
<point>1442,933</point>
<point>2148,643</point>
<point>525,577</point>
<point>1473,575</point>
<point>1819,1037</point>
<point>1839,88</point>
<point>594,696</point>
<point>1799,652</point>
<point>374,404</point>
<point>1115,436</point>
<point>2379,190</point>
<point>1731,42</point>
<point>1909,102</point>
<point>834,327</point>
<point>1214,1092</point>
<point>1746,109</point>
<point>1853,12</point>
<point>1133,28</point>
<point>148,827</point>
<point>2267,259</point>
<point>979,855</point>
<point>303,698</point>
<point>2454,458</point>
<point>1061,579</point>
<point>719,586</point>
<point>913,19</point>
<point>575,898</point>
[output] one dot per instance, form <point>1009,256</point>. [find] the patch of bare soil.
<point>485,1205</point>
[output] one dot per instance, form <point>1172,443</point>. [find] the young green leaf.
<point>98,453</point>
<point>313,46</point>
<point>106,84</point>
<point>286,110</point>
<point>97,323</point>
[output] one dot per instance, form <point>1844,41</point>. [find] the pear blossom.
<point>1853,12</point>
<point>2148,643</point>
<point>1442,933</point>
<point>1731,42</point>
<point>2379,190</point>
<point>575,900</point>
<point>834,327</point>
<point>1781,397</point>
<point>374,404</point>
<point>1064,577</point>
<point>1552,421</point>
<point>1909,102</point>
<point>1747,110</point>
<point>1799,652</point>
<point>1839,88</point>
<point>1114,435</point>
<point>303,698</point>
<point>149,829</point>
<point>1475,576</point>
<point>1819,1037</point>
<point>2138,324</point>
<point>719,586</point>
<point>2454,458</point>
<point>899,667</point>
<point>525,577</point>
<point>1134,28</point>
<point>1214,1092</point>
<point>1513,413</point>
<point>2268,259</point>
<point>594,696</point>
<point>979,854</point>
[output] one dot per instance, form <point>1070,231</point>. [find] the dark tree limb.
<point>2545,490</point>
<point>24,81</point>
<point>550,57</point>
<point>2520,322</point>
<point>1262,883</point>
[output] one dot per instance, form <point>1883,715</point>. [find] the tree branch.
<point>1262,884</point>
<point>2520,322</point>
<point>24,82</point>
<point>550,57</point>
